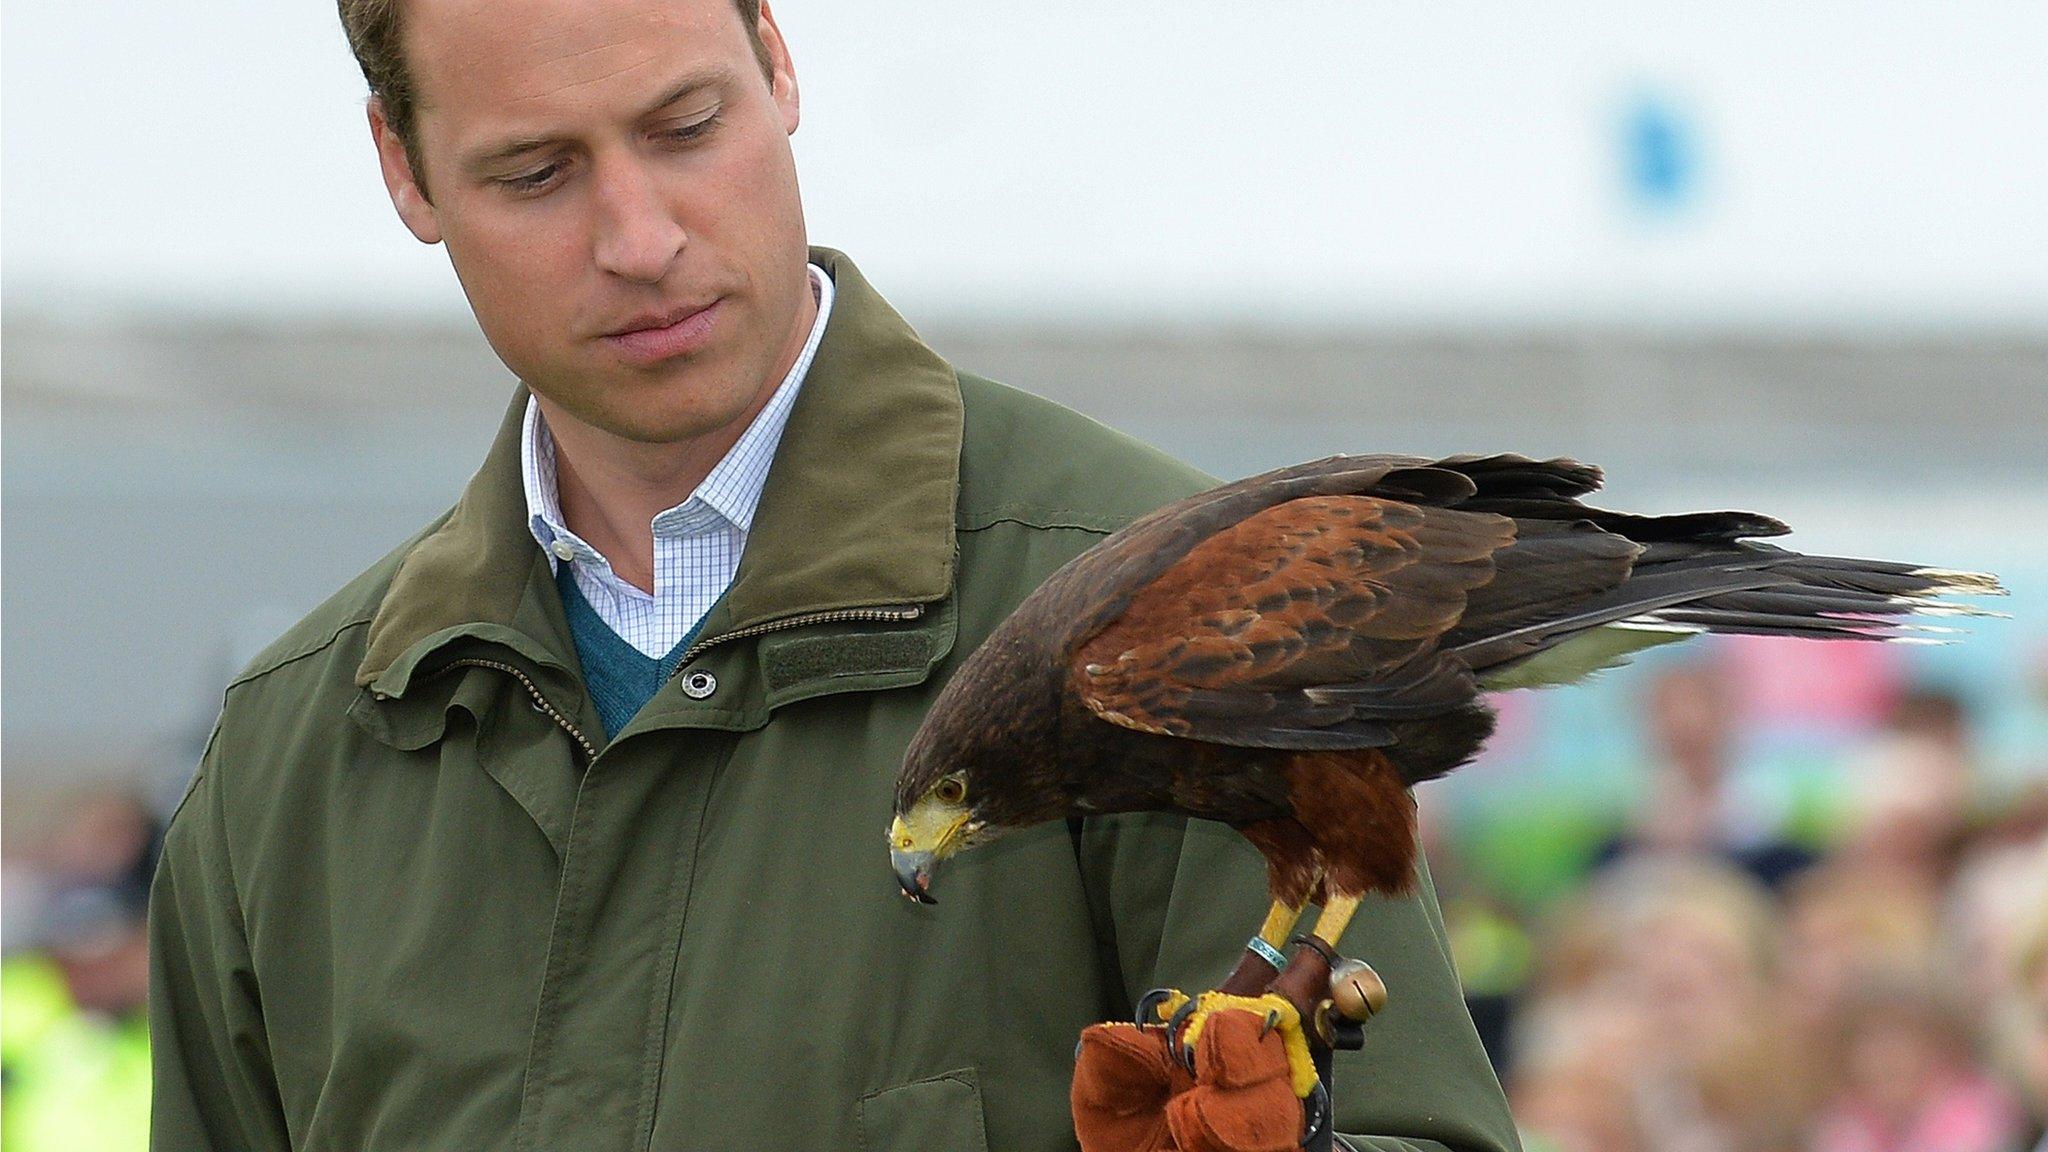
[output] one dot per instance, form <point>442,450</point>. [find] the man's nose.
<point>637,238</point>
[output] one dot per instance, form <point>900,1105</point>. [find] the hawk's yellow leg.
<point>1279,924</point>
<point>1336,915</point>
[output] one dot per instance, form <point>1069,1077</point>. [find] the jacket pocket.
<point>940,1113</point>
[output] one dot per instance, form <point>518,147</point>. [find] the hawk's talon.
<point>1272,1022</point>
<point>1150,1003</point>
<point>1315,1109</point>
<point>1185,1053</point>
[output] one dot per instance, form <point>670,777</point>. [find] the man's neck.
<point>611,489</point>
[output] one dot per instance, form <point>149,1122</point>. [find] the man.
<point>515,843</point>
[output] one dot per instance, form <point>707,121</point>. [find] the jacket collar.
<point>857,510</point>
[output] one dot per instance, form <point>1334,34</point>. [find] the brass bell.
<point>1356,990</point>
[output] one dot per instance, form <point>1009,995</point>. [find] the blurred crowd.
<point>1713,983</point>
<point>74,985</point>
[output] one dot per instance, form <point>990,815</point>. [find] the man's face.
<point>599,170</point>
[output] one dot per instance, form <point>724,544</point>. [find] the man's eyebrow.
<point>688,86</point>
<point>518,146</point>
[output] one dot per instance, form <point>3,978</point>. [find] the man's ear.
<point>406,193</point>
<point>782,82</point>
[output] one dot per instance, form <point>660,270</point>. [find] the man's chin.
<point>639,430</point>
<point>642,408</point>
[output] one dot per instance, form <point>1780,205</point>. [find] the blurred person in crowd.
<point>1660,981</point>
<point>1691,804</point>
<point>1701,958</point>
<point>1938,856</point>
<point>74,1040</point>
<point>2023,1022</point>
<point>1913,795</point>
<point>1911,1077</point>
<point>2000,886</point>
<point>1571,1079</point>
<point>1574,1108</point>
<point>1843,925</point>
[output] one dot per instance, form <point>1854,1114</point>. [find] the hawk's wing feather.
<point>1307,625</point>
<point>1104,578</point>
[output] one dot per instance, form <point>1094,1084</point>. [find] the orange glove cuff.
<point>1131,1095</point>
<point>1123,1077</point>
<point>1243,1099</point>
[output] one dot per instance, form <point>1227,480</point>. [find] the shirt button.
<point>564,550</point>
<point>699,685</point>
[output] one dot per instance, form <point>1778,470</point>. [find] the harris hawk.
<point>1290,653</point>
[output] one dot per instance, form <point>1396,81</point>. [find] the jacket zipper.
<point>540,701</point>
<point>837,616</point>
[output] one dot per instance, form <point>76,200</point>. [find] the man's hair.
<point>375,31</point>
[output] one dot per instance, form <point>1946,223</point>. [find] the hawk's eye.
<point>950,790</point>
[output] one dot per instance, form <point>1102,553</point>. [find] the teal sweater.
<point>621,679</point>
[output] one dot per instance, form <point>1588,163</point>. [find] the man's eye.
<point>693,130</point>
<point>532,181</point>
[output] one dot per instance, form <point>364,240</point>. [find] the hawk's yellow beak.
<point>920,838</point>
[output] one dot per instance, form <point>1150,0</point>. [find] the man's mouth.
<point>656,336</point>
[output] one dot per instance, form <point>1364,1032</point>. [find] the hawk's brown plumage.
<point>1288,653</point>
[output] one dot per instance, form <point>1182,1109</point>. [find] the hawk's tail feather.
<point>1749,589</point>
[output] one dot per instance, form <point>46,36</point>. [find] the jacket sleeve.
<point>1176,899</point>
<point>212,1085</point>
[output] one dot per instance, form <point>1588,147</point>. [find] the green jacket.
<point>414,901</point>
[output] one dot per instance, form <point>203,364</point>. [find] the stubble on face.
<point>629,208</point>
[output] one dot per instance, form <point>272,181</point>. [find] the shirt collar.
<point>730,492</point>
<point>857,512</point>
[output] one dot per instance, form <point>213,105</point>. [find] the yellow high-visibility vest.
<point>73,1081</point>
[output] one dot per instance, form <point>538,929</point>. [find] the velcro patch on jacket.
<point>806,658</point>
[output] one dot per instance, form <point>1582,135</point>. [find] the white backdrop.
<point>1839,163</point>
